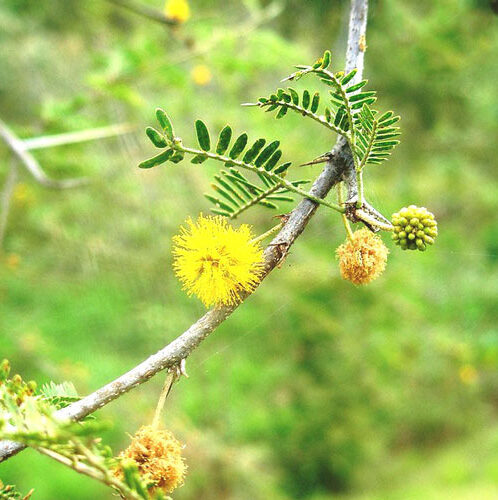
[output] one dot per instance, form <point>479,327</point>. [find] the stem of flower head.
<point>359,181</point>
<point>268,233</point>
<point>168,383</point>
<point>345,220</point>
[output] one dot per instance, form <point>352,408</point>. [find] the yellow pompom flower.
<point>362,258</point>
<point>217,262</point>
<point>178,10</point>
<point>201,75</point>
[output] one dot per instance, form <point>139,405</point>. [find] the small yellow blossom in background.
<point>22,194</point>
<point>217,262</point>
<point>178,10</point>
<point>12,261</point>
<point>468,374</point>
<point>201,75</point>
<point>363,258</point>
<point>158,456</point>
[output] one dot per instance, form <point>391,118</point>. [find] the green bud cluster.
<point>15,386</point>
<point>9,492</point>
<point>414,228</point>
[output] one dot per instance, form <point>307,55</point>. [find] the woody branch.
<point>336,169</point>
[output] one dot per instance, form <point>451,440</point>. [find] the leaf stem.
<point>305,112</point>
<point>252,168</point>
<point>345,220</point>
<point>359,182</point>
<point>268,233</point>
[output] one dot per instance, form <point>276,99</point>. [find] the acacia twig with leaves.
<point>337,168</point>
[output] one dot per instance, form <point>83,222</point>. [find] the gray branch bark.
<point>170,356</point>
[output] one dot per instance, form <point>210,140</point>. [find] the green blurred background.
<point>314,388</point>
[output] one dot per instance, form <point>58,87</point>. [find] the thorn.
<point>283,218</point>
<point>183,367</point>
<point>250,104</point>
<point>320,159</point>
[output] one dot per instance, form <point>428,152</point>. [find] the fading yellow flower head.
<point>217,262</point>
<point>363,258</point>
<point>201,74</point>
<point>158,457</point>
<point>178,10</point>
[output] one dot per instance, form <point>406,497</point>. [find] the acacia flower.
<point>178,10</point>
<point>201,75</point>
<point>362,258</point>
<point>217,262</point>
<point>158,457</point>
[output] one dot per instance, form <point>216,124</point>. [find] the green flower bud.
<point>414,228</point>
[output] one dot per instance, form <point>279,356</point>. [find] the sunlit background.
<point>314,388</point>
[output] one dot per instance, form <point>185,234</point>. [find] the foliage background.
<point>314,388</point>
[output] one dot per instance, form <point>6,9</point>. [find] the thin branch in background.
<point>6,197</point>
<point>21,148</point>
<point>339,162</point>
<point>32,165</point>
<point>147,12</point>
<point>49,141</point>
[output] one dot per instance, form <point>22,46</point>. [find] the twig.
<point>144,11</point>
<point>171,355</point>
<point>33,167</point>
<point>49,141</point>
<point>6,196</point>
<point>96,474</point>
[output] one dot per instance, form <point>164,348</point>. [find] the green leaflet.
<point>156,138</point>
<point>315,102</point>
<point>157,160</point>
<point>266,153</point>
<point>224,140</point>
<point>239,146</point>
<point>202,135</point>
<point>253,151</point>
<point>346,79</point>
<point>282,168</point>
<point>306,99</point>
<point>294,96</point>
<point>281,113</point>
<point>199,159</point>
<point>165,123</point>
<point>273,160</point>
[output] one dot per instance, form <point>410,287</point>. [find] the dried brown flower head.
<point>362,258</point>
<point>158,455</point>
